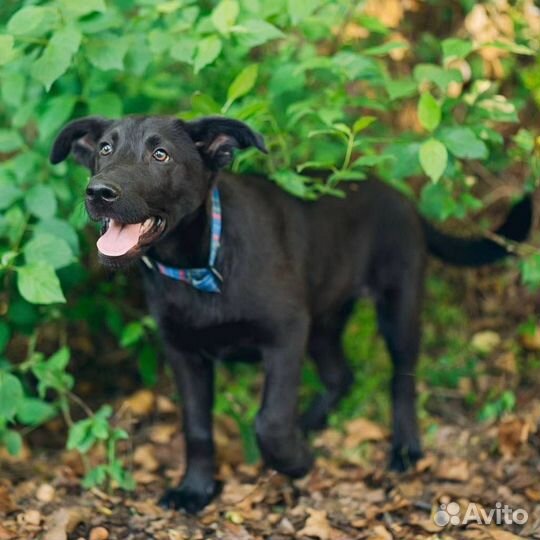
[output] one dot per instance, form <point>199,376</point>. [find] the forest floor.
<point>481,457</point>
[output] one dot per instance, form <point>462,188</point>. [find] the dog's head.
<point>148,173</point>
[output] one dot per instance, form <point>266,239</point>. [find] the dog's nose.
<point>105,192</point>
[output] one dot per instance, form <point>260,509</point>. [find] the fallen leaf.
<point>45,493</point>
<point>485,341</point>
<point>512,434</point>
<point>380,533</point>
<point>6,502</point>
<point>361,430</point>
<point>317,525</point>
<point>32,517</point>
<point>7,534</point>
<point>165,405</point>
<point>63,522</point>
<point>162,433</point>
<point>454,469</point>
<point>531,341</point>
<point>140,403</point>
<point>145,458</point>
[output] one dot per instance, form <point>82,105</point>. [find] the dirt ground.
<point>473,477</point>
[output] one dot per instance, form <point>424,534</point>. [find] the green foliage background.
<point>434,99</point>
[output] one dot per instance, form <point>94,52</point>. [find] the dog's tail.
<point>478,251</point>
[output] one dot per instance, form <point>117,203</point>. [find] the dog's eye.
<point>105,149</point>
<point>160,155</point>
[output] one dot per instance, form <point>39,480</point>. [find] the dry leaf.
<point>45,493</point>
<point>141,403</point>
<point>513,432</point>
<point>361,430</point>
<point>7,534</point>
<point>485,341</point>
<point>453,469</point>
<point>165,405</point>
<point>63,522</point>
<point>162,433</point>
<point>317,525</point>
<point>380,533</point>
<point>6,502</point>
<point>144,457</point>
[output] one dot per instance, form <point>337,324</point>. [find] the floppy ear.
<point>217,137</point>
<point>79,137</point>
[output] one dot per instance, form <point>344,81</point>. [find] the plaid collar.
<point>204,279</point>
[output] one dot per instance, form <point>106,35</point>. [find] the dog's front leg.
<point>280,438</point>
<point>195,382</point>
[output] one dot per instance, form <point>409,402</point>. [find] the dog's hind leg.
<point>398,313</point>
<point>326,350</point>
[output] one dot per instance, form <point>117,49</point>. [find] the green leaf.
<point>56,58</point>
<point>255,32</point>
<point>6,48</point>
<point>49,249</point>
<point>5,334</point>
<point>78,8</point>
<point>10,140</point>
<point>61,229</point>
<point>183,49</point>
<point>59,360</point>
<point>12,440</point>
<point>436,74</point>
<point>34,411</point>
<point>224,15</point>
<point>39,284</point>
<point>9,193</point>
<point>26,20</point>
<point>400,88</point>
<point>204,104</point>
<point>57,111</point>
<point>381,50</point>
<point>437,202</point>
<point>41,201</point>
<point>131,334</point>
<point>462,142</point>
<point>81,437</point>
<point>433,158</point>
<point>530,271</point>
<point>512,47</point>
<point>148,365</point>
<point>362,123</point>
<point>11,395</point>
<point>294,183</point>
<point>107,104</point>
<point>299,11</point>
<point>456,48</point>
<point>95,477</point>
<point>109,53</point>
<point>208,50</point>
<point>243,83</point>
<point>429,111</point>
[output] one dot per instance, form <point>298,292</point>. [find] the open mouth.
<point>118,239</point>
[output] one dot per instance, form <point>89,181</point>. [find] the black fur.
<point>291,273</point>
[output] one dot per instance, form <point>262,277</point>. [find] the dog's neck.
<point>188,244</point>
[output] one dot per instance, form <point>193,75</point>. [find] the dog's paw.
<point>291,457</point>
<point>315,418</point>
<point>403,458</point>
<point>189,498</point>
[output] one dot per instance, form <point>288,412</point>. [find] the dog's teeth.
<point>147,225</point>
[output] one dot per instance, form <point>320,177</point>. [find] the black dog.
<point>277,280</point>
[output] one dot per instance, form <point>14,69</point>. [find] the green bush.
<point>438,97</point>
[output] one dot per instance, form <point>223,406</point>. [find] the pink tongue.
<point>119,238</point>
